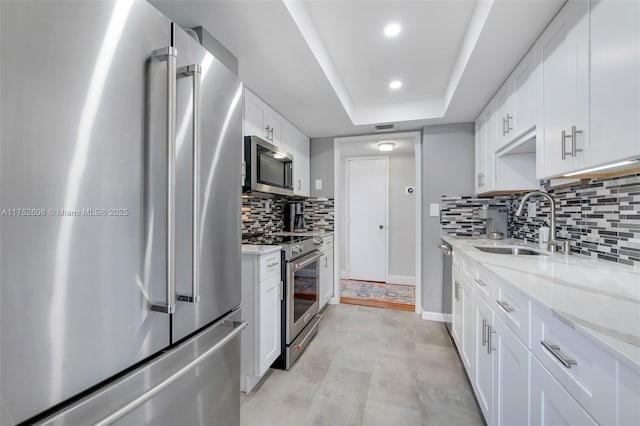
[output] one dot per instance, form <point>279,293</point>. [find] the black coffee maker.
<point>294,217</point>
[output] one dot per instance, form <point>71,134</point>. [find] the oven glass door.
<point>302,293</point>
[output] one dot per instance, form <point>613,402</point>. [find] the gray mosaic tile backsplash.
<point>265,215</point>
<point>320,214</point>
<point>601,218</point>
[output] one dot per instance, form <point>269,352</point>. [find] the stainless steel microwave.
<point>267,169</point>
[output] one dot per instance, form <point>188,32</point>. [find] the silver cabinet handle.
<point>504,126</point>
<point>169,54</point>
<point>480,282</point>
<point>574,141</point>
<point>271,133</point>
<point>509,126</point>
<point>267,134</point>
<point>489,339</point>
<point>484,332</point>
<point>555,351</point>
<point>506,306</point>
<point>457,290</point>
<point>270,265</point>
<point>194,71</point>
<point>238,326</point>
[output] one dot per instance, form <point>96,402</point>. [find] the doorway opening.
<point>378,218</point>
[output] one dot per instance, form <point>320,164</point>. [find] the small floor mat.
<point>396,296</point>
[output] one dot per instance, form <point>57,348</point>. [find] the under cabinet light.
<point>608,166</point>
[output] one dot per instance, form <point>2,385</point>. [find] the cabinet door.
<point>275,122</point>
<point>456,311</point>
<point>288,139</point>
<point>483,378</point>
<point>254,116</point>
<point>503,119</point>
<point>468,326</point>
<point>326,277</point>
<point>269,323</point>
<point>562,56</point>
<point>551,404</point>
<point>524,96</point>
<point>511,378</point>
<point>615,82</point>
<point>480,153</point>
<point>301,165</point>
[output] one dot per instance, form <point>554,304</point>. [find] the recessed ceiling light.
<point>392,30</point>
<point>386,146</point>
<point>396,84</point>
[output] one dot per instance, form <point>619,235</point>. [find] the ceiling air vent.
<point>384,127</point>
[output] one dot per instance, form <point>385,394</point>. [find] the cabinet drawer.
<point>468,268</point>
<point>581,366</point>
<point>515,310</point>
<point>269,265</point>
<point>484,282</point>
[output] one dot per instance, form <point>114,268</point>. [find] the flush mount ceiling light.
<point>386,146</point>
<point>392,30</point>
<point>608,166</point>
<point>395,84</point>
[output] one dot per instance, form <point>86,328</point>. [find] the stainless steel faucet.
<point>551,245</point>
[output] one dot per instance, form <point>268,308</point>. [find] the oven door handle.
<point>301,263</point>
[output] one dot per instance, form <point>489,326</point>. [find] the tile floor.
<point>368,366</point>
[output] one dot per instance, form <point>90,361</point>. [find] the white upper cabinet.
<point>515,104</point>
<point>615,82</point>
<point>524,96</point>
<point>562,56</point>
<point>484,150</point>
<point>504,117</point>
<point>301,164</point>
<point>262,121</point>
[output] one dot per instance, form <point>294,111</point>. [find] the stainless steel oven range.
<point>300,304</point>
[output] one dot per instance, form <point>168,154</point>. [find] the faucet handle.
<point>561,246</point>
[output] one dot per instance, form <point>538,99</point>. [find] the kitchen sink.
<point>516,251</point>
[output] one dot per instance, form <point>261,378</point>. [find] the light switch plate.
<point>318,184</point>
<point>434,209</point>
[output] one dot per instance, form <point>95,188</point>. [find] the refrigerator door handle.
<point>194,71</point>
<point>238,326</point>
<point>169,54</point>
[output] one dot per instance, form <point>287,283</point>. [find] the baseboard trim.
<point>401,279</point>
<point>433,316</point>
<point>344,275</point>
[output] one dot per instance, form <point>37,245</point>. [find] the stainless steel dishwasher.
<point>447,260</point>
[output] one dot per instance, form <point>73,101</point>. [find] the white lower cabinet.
<point>326,271</point>
<point>468,327</point>
<point>483,377</point>
<point>551,404</point>
<point>529,367</point>
<point>261,308</point>
<point>511,377</point>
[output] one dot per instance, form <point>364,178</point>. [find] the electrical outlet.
<point>318,184</point>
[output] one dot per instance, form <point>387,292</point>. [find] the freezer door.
<point>82,196</point>
<point>194,384</point>
<point>215,210</point>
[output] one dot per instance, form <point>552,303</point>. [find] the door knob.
<point>380,226</point>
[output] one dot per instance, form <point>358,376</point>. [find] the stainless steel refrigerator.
<point>120,219</point>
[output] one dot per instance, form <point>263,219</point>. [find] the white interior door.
<point>367,221</point>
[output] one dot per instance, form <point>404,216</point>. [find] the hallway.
<point>368,366</point>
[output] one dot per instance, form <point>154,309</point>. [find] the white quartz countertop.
<point>599,298</point>
<point>304,234</point>
<point>259,249</point>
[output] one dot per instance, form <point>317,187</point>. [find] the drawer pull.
<point>457,291</point>
<point>481,283</point>
<point>485,327</point>
<point>271,265</point>
<point>555,351</point>
<point>507,307</point>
